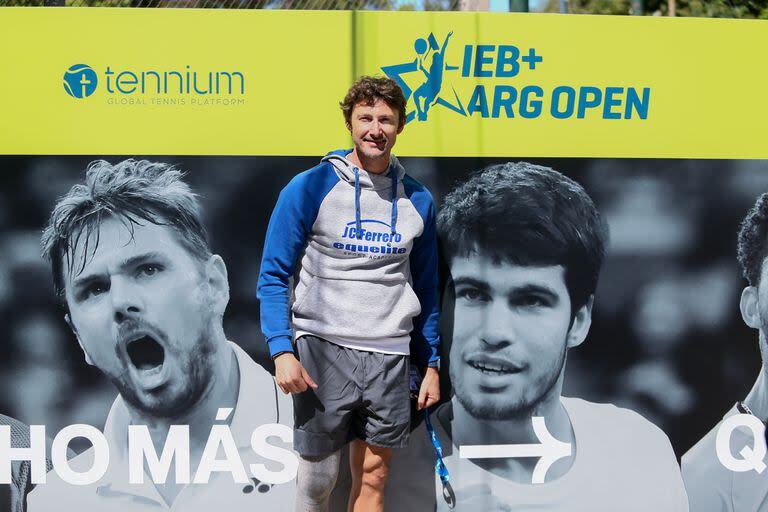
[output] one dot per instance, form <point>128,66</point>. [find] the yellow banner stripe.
<point>269,82</point>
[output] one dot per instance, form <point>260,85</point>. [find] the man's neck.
<point>469,430</point>
<point>371,165</point>
<point>757,398</point>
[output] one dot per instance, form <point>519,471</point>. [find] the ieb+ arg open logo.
<point>429,68</point>
<point>80,81</point>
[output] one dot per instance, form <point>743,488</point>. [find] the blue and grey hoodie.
<point>362,249</point>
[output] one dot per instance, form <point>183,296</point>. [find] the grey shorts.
<point>359,395</point>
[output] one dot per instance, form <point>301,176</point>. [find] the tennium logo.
<point>186,81</point>
<point>80,81</point>
<point>180,86</point>
<point>498,80</point>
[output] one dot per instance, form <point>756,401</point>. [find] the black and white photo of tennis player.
<point>524,246</point>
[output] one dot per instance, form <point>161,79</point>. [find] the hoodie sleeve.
<point>425,339</point>
<point>289,228</point>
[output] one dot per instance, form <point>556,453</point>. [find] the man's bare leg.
<point>370,466</point>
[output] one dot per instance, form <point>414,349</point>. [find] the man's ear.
<point>401,128</point>
<point>216,276</point>
<point>348,125</point>
<point>77,335</point>
<point>582,321</point>
<point>749,306</point>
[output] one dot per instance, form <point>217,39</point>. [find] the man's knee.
<point>316,489</point>
<point>374,475</point>
<point>316,478</point>
<point>375,482</point>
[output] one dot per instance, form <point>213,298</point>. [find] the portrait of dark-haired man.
<point>524,245</point>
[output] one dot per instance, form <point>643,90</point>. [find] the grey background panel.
<point>666,340</point>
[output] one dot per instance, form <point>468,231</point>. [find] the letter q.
<point>752,456</point>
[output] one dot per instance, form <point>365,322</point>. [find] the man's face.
<point>142,311</point>
<point>511,330</point>
<point>374,129</point>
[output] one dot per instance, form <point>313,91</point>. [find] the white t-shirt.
<point>623,463</point>
<point>714,488</point>
<point>258,403</point>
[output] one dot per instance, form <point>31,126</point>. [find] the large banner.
<point>247,83</point>
<point>594,204</point>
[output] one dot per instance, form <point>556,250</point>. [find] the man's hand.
<point>429,392</point>
<point>291,375</point>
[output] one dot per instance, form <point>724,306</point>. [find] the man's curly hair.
<point>368,89</point>
<point>752,241</point>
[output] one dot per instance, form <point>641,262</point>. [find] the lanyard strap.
<point>440,469</point>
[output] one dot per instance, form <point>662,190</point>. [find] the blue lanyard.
<point>440,469</point>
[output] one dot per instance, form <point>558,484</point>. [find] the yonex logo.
<point>80,81</point>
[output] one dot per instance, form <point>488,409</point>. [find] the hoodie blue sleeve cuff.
<point>280,344</point>
<point>425,353</point>
<point>434,357</point>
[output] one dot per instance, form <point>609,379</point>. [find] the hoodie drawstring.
<point>357,204</point>
<point>394,199</point>
<point>393,219</point>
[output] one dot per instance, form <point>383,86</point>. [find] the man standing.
<point>145,298</point>
<point>710,484</point>
<point>524,245</point>
<point>359,236</point>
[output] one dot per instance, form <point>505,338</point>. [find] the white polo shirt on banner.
<point>623,463</point>
<point>259,402</point>
<point>714,488</point>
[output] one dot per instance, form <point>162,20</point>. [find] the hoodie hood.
<point>345,170</point>
<point>360,179</point>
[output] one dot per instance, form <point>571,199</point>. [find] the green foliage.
<point>21,3</point>
<point>721,8</point>
<point>99,3</point>
<point>599,6</point>
<point>591,6</point>
<point>693,8</point>
<point>439,5</point>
